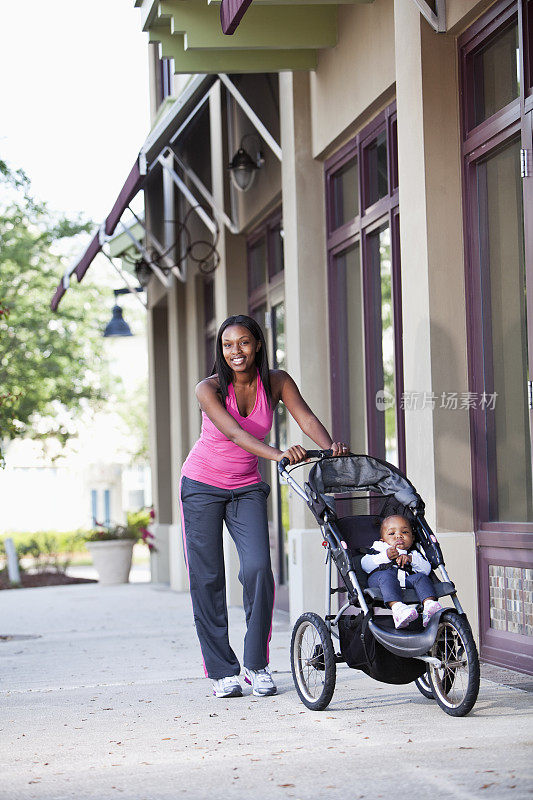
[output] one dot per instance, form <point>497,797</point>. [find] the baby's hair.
<point>401,516</point>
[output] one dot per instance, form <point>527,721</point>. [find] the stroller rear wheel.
<point>314,670</point>
<point>455,684</point>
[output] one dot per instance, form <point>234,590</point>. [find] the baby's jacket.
<point>377,555</point>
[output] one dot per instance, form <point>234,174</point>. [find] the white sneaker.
<point>261,681</point>
<point>403,615</point>
<point>227,687</point>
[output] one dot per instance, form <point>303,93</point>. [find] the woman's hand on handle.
<point>339,449</point>
<point>294,454</point>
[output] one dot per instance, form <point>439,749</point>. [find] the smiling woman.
<point>221,482</point>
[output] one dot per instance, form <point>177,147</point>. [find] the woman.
<point>220,481</point>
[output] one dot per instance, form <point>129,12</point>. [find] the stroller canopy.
<point>362,473</point>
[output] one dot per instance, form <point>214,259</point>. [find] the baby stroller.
<point>442,658</point>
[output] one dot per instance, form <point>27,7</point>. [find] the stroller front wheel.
<point>424,687</point>
<point>313,665</point>
<point>455,684</point>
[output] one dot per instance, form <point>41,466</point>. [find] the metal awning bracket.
<point>186,192</point>
<point>143,164</point>
<point>252,116</point>
<point>142,250</point>
<point>102,236</point>
<point>206,194</point>
<point>159,247</point>
<point>436,20</point>
<point>125,278</point>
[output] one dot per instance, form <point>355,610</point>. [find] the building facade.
<point>386,245</point>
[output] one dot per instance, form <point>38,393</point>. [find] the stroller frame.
<point>446,645</point>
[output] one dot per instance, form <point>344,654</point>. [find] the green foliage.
<point>49,363</point>
<point>134,414</point>
<point>45,550</point>
<point>137,520</point>
<point>106,533</point>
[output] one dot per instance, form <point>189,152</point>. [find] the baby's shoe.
<point>430,608</point>
<point>403,615</point>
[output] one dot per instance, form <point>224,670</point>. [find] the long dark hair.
<point>223,369</point>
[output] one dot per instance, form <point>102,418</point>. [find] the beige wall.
<point>351,78</point>
<point>461,13</point>
<point>444,215</point>
<point>459,550</point>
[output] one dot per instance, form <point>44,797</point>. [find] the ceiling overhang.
<point>271,37</point>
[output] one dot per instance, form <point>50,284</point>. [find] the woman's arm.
<point>209,400</point>
<point>308,422</point>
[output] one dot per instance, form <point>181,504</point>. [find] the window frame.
<point>266,229</point>
<point>357,231</point>
<point>496,20</point>
<point>480,143</point>
<point>500,543</point>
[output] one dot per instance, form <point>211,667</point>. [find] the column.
<point>230,291</point>
<point>306,313</point>
<point>160,451</point>
<point>433,285</point>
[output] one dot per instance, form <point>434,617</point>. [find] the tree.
<point>134,414</point>
<point>51,365</point>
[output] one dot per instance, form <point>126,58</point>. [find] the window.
<point>364,292</point>
<point>344,194</point>
<point>491,68</point>
<point>101,506</point>
<point>265,262</point>
<point>497,137</point>
<point>499,284</point>
<point>166,78</point>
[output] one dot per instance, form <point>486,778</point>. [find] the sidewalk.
<point>110,701</point>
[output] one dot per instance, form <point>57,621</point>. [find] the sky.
<point>74,102</point>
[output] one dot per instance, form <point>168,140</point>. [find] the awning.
<point>161,150</point>
<point>156,142</point>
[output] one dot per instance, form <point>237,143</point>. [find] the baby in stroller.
<point>392,563</point>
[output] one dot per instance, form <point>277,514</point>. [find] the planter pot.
<point>112,560</point>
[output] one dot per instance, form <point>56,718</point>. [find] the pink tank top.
<point>217,461</point>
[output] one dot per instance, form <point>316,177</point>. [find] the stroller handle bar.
<point>309,454</point>
<point>283,464</point>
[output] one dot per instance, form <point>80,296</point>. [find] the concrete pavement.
<point>110,701</point>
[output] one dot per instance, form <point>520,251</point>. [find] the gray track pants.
<point>244,510</point>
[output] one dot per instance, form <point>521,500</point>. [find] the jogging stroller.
<point>442,658</point>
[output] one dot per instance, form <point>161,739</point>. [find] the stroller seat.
<point>442,588</point>
<point>359,532</point>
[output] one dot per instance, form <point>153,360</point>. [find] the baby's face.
<point>396,532</point>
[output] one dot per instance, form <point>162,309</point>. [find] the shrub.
<point>46,549</point>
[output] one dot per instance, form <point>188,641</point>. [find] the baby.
<point>391,564</point>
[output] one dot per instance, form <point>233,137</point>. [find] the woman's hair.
<point>223,369</point>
